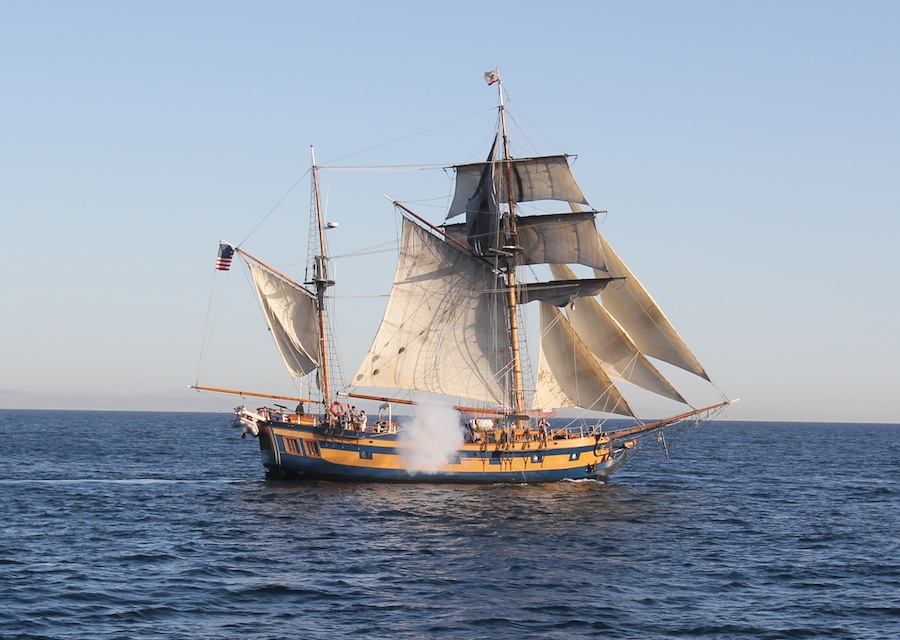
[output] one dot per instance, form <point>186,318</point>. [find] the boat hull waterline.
<point>297,451</point>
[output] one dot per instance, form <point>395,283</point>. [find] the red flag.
<point>223,260</point>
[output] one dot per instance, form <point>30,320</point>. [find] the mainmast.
<point>509,254</point>
<point>321,282</point>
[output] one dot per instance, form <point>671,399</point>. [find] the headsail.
<point>612,346</point>
<point>633,307</point>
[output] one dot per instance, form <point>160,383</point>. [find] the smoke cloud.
<point>433,437</point>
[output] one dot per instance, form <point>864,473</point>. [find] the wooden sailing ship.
<point>451,330</point>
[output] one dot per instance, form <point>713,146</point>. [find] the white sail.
<point>568,374</point>
<point>291,314</point>
<point>606,339</point>
<point>633,307</point>
<point>548,394</point>
<point>544,178</point>
<point>566,238</point>
<point>443,328</point>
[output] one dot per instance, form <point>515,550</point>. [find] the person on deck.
<point>544,427</point>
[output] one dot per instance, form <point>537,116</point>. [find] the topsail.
<point>543,178</point>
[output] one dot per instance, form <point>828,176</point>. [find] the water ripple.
<point>120,530</point>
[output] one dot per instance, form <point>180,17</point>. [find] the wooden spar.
<point>321,282</point>
<point>434,228</point>
<point>624,433</point>
<point>518,391</point>
<point>251,393</point>
<point>493,412</point>
<point>273,270</point>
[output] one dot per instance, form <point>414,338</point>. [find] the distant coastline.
<point>175,401</point>
<point>193,402</point>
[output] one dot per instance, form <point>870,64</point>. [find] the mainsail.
<point>442,329</point>
<point>296,314</point>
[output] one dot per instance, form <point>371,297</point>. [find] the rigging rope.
<point>509,102</point>
<point>204,341</point>
<point>277,204</point>
<point>385,144</point>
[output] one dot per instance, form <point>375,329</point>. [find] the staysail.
<point>568,373</point>
<point>613,347</point>
<point>633,307</point>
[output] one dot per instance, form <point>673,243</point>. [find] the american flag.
<point>223,260</point>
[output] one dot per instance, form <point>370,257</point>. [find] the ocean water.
<point>161,525</point>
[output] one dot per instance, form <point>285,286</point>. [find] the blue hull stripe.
<point>287,462</point>
<point>306,467</point>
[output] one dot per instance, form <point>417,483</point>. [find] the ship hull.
<point>297,451</point>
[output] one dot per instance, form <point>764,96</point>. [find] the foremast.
<point>320,281</point>
<point>296,313</point>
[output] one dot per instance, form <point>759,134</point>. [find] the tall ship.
<point>452,352</point>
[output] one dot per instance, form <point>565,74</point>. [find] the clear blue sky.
<point>748,154</point>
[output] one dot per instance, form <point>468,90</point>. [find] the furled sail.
<point>482,215</point>
<point>568,374</point>
<point>291,314</point>
<point>543,178</point>
<point>560,293</point>
<point>617,353</point>
<point>442,330</point>
<point>631,305</point>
